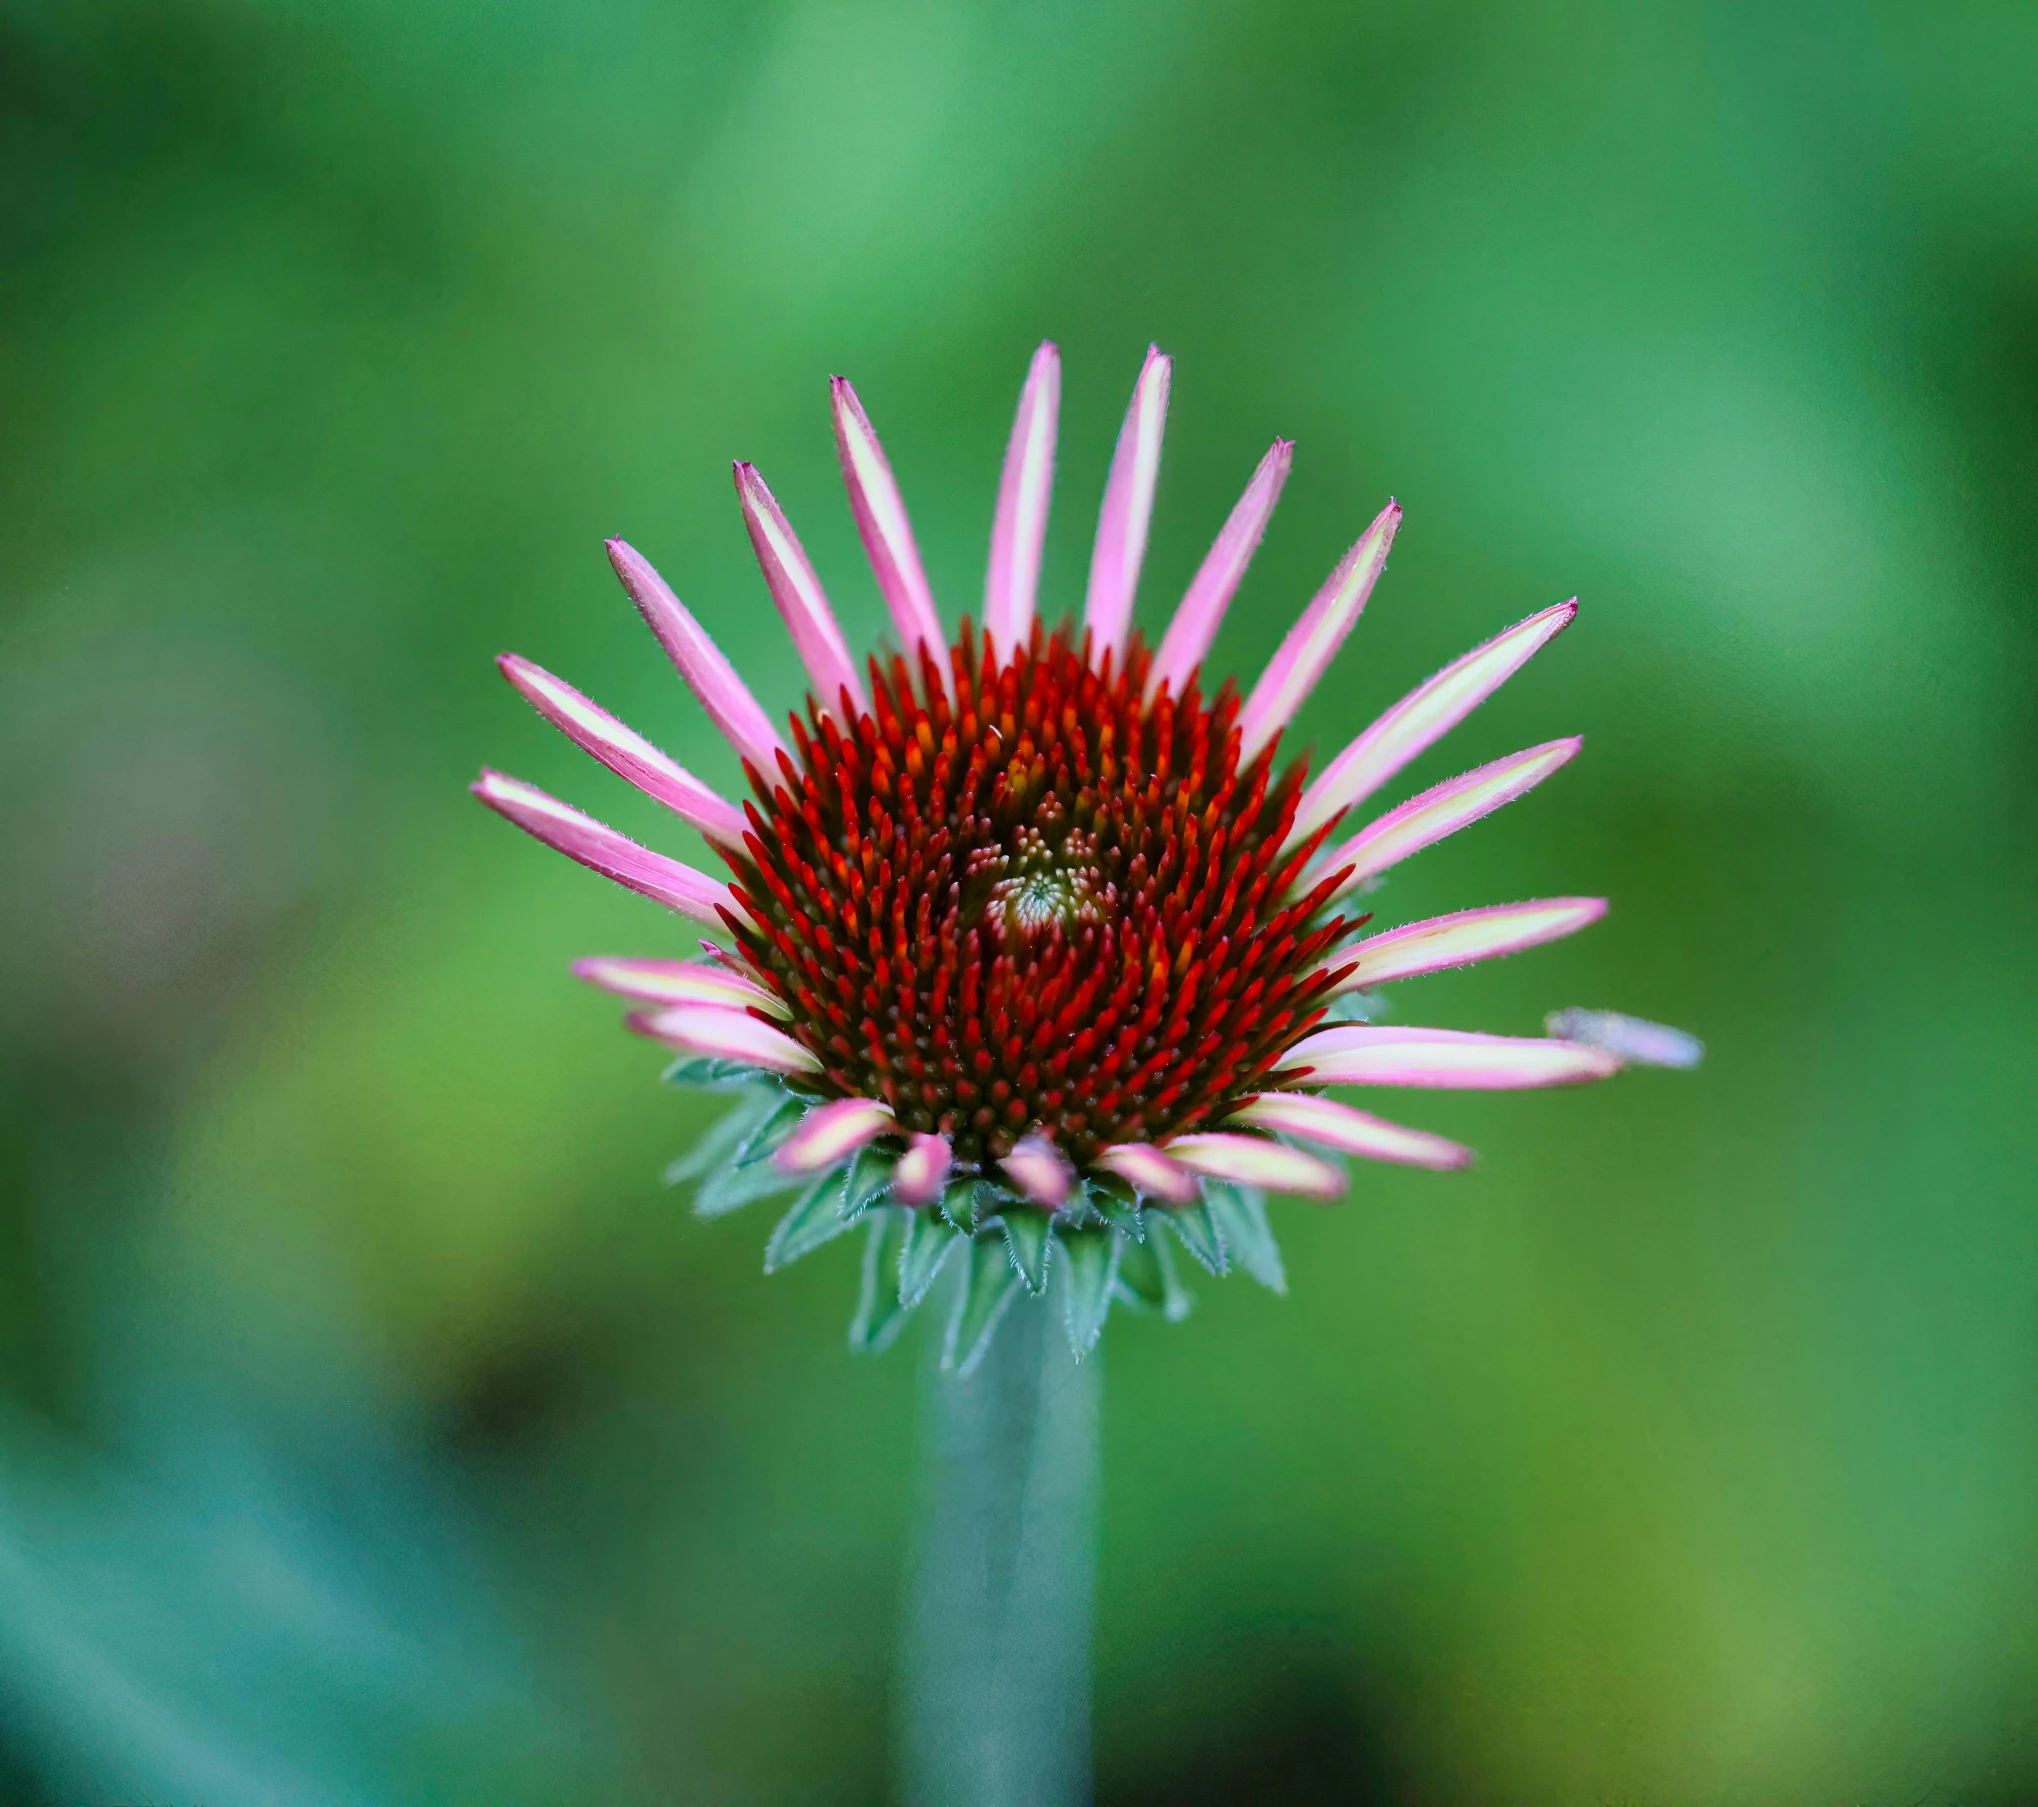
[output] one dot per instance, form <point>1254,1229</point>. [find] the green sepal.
<point>1090,1271</point>
<point>1199,1235</point>
<point>1105,1187</point>
<point>988,1288</point>
<point>1239,1214</point>
<point>812,1221</point>
<point>725,1135</point>
<point>869,1175</point>
<point>734,1187</point>
<point>750,1173</point>
<point>929,1243</point>
<point>773,1131</point>
<point>962,1202</point>
<point>1028,1240</point>
<point>1177,1301</point>
<point>1117,1204</point>
<point>1139,1276</point>
<point>1128,1220</point>
<point>1080,1212</point>
<point>879,1315</point>
<point>1148,1279</point>
<point>702,1073</point>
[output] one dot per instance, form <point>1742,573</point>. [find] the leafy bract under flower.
<point>1032,944</point>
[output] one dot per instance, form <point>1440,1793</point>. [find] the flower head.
<point>1031,938</point>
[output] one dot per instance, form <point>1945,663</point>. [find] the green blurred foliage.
<point>380,1429</point>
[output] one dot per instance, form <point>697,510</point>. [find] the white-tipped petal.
<point>1632,1039</point>
<point>1330,1124</point>
<point>602,849</point>
<point>1446,1059</point>
<point>1460,939</point>
<point>1041,1171</point>
<point>1127,511</point>
<point>725,1035</point>
<point>1194,628</point>
<point>1017,534</point>
<point>625,752</point>
<point>1314,640</point>
<point>1422,717</point>
<point>1443,810</point>
<point>831,1133</point>
<point>881,519</point>
<point>922,1170</point>
<point>1254,1161</point>
<point>677,982</point>
<point>1150,1171</point>
<point>711,678</point>
<point>789,574</point>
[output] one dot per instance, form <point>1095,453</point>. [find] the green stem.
<point>996,1695</point>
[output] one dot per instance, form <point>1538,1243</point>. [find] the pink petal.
<point>1628,1038</point>
<point>613,855</point>
<point>1333,1125</point>
<point>1020,528</point>
<point>922,1169</point>
<point>625,752</point>
<point>1127,512</point>
<point>1443,810</point>
<point>831,1133</point>
<point>1461,938</point>
<point>790,576</point>
<point>1151,1171</point>
<point>1254,1161</point>
<point>1424,716</point>
<point>881,519</point>
<point>1313,641</point>
<point>725,1035</point>
<point>1194,627</point>
<point>1041,1171</point>
<point>1361,1054</point>
<point>677,982</point>
<point>709,676</point>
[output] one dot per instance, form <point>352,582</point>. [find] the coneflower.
<point>1031,940</point>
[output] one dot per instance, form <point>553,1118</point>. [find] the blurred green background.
<point>377,1428</point>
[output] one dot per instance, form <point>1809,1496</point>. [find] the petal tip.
<point>1153,1172</point>
<point>922,1169</point>
<point>1041,1171</point>
<point>1252,1160</point>
<point>1627,1040</point>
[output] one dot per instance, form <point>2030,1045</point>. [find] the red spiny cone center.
<point>1033,902</point>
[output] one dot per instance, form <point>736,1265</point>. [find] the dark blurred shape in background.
<point>376,1428</point>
